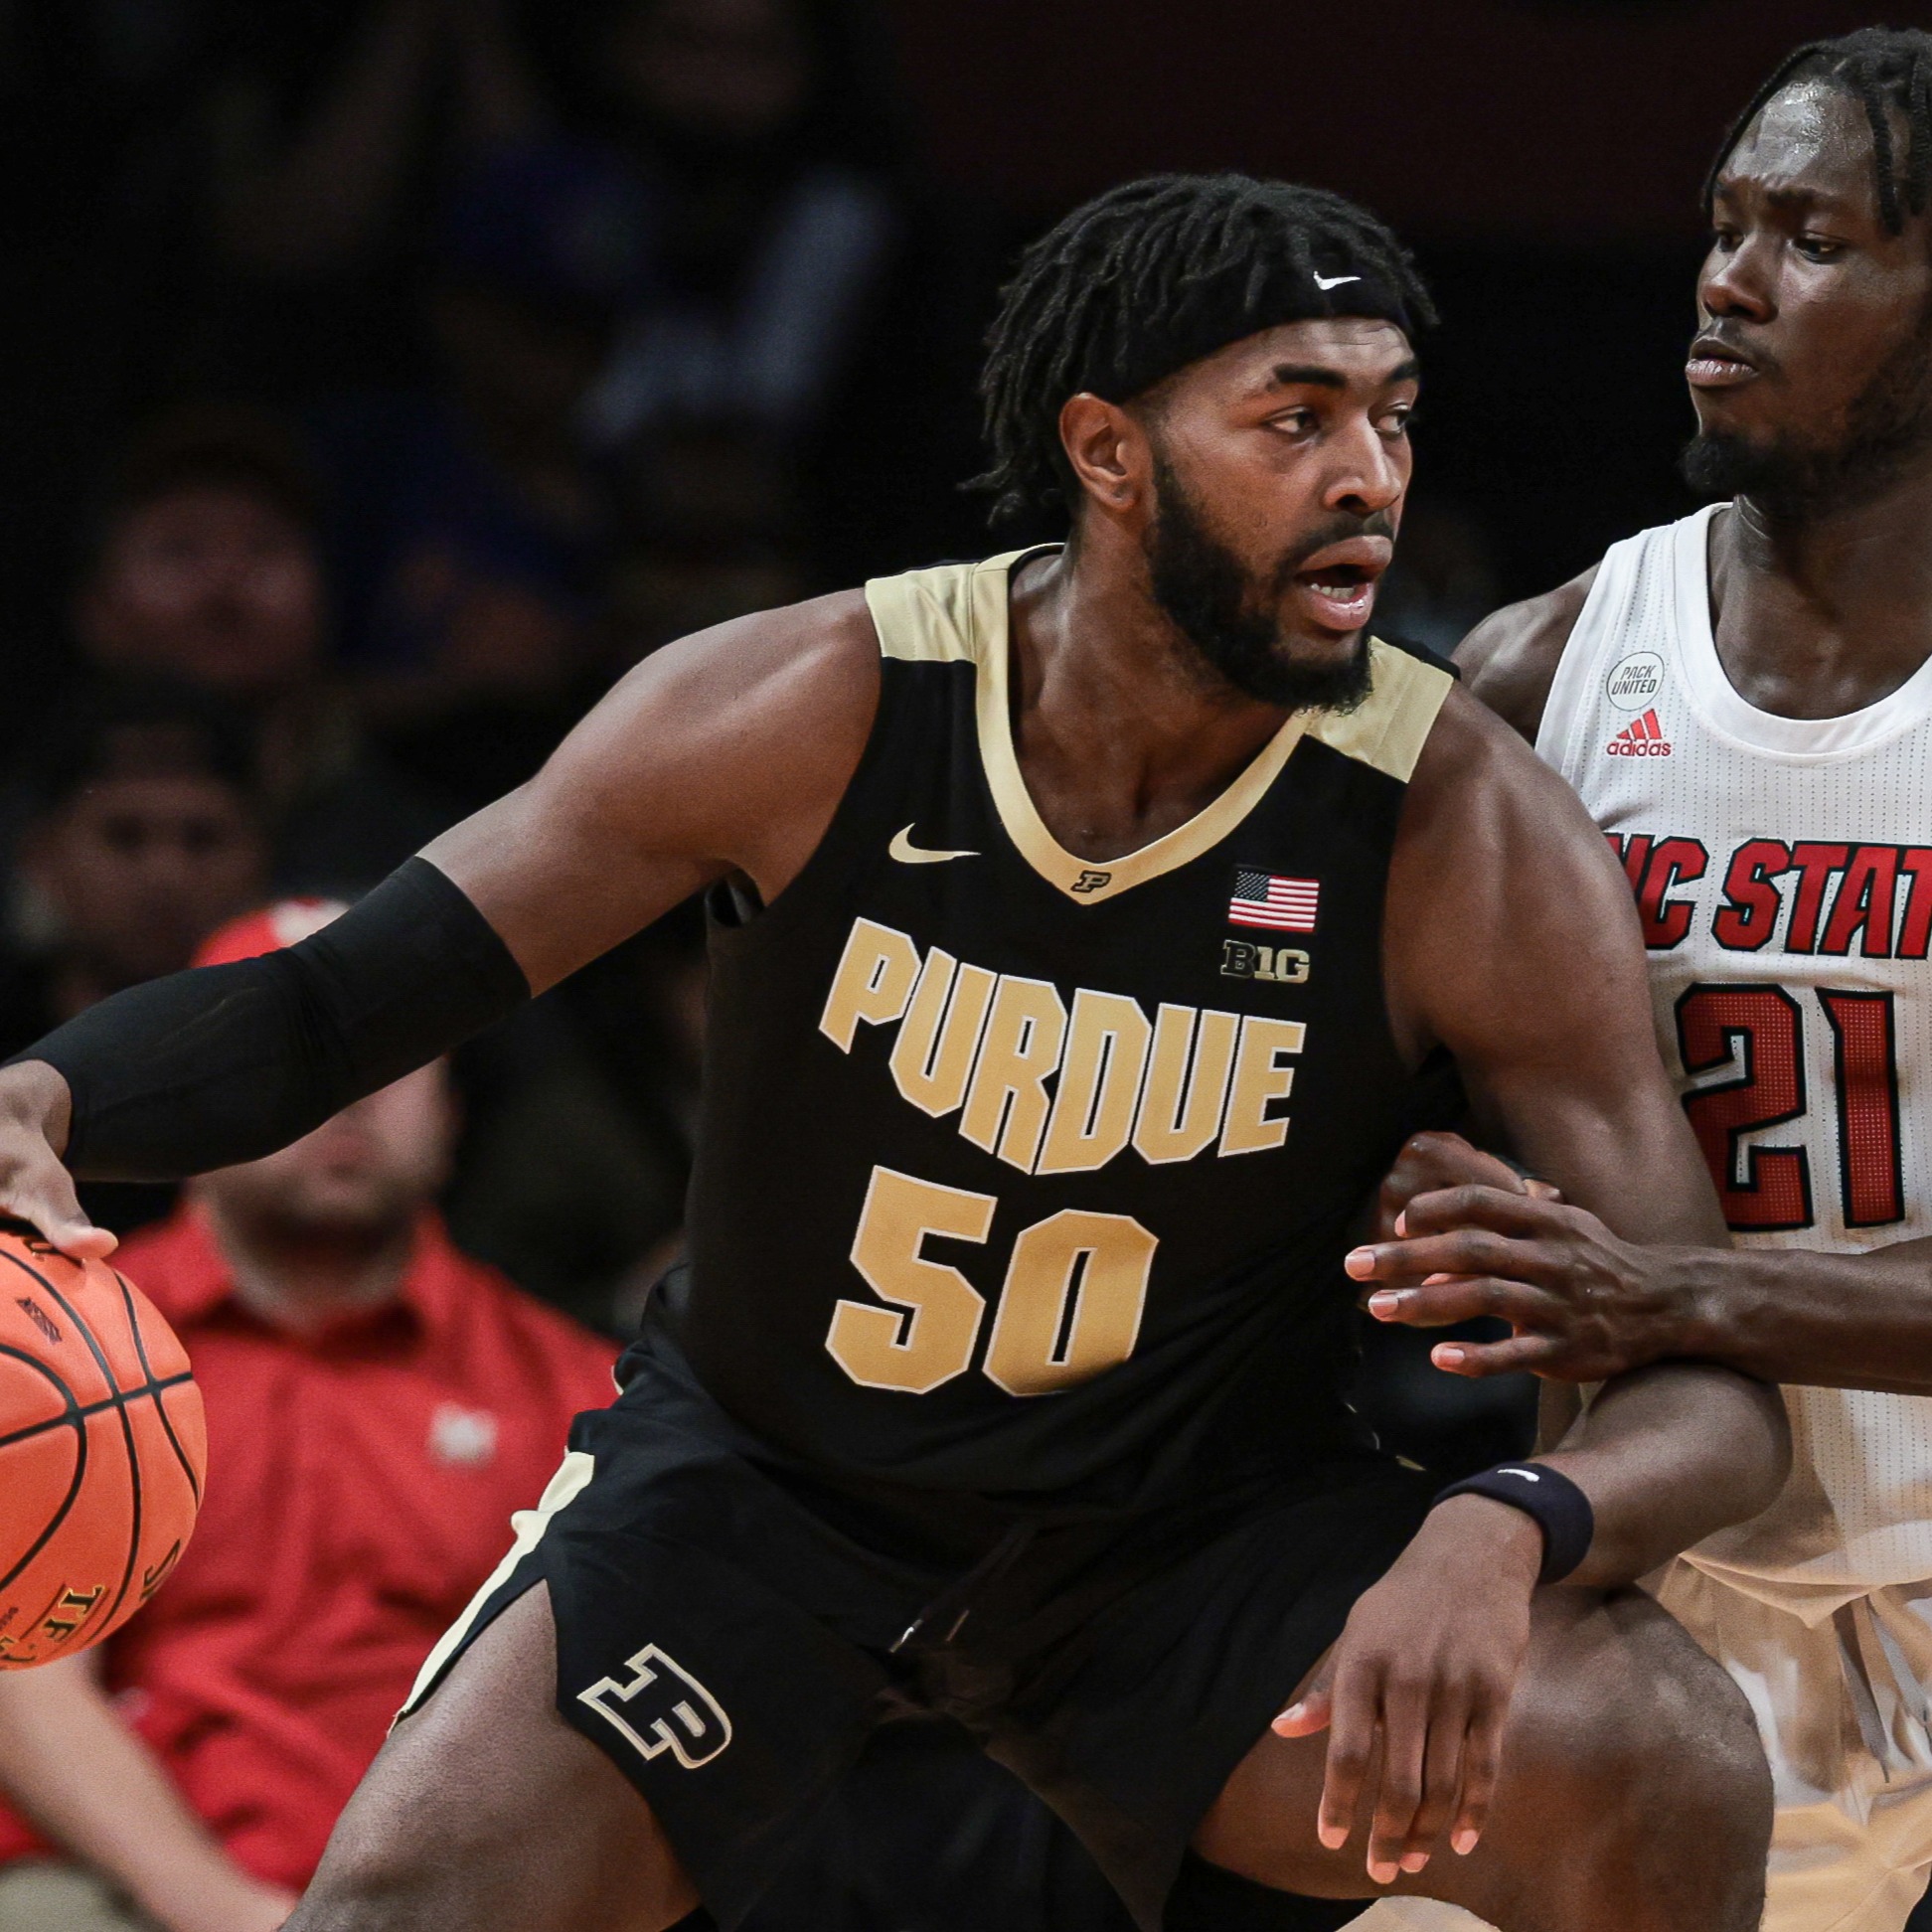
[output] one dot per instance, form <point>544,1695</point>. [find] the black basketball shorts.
<point>729,1637</point>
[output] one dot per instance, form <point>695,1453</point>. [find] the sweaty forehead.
<point>1812,139</point>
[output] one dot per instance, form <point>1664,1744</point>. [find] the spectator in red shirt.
<point>377,1404</point>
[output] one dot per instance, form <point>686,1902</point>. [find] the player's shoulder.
<point>776,702</point>
<point>1477,775</point>
<point>1508,660</point>
<point>825,646</point>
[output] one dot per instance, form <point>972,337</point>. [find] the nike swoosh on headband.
<point>907,854</point>
<point>1333,282</point>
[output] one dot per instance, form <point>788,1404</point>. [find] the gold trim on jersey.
<point>960,614</point>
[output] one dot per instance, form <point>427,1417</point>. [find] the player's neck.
<point>305,1280</point>
<point>1825,613</point>
<point>1119,740</point>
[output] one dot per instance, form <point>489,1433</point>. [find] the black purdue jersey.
<point>1030,1175</point>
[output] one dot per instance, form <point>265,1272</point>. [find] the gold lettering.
<point>924,1336</point>
<point>1258,1080</point>
<point>1172,1127</point>
<point>931,1065</point>
<point>1099,1083</point>
<point>1006,1106</point>
<point>1060,1323</point>
<point>873,983</point>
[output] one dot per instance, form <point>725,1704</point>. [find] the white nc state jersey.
<point>1782,871</point>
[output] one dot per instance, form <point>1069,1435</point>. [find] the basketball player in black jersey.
<point>1089,928</point>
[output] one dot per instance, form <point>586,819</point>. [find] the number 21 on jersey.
<point>1760,1029</point>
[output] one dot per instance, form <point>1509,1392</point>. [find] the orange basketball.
<point>102,1450</point>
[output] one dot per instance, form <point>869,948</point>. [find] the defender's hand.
<point>1431,1162</point>
<point>34,1186</point>
<point>1418,1686</point>
<point>1584,1305</point>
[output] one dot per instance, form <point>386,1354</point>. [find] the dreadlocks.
<point>1888,69</point>
<point>1158,273</point>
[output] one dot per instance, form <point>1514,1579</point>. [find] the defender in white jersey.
<point>1745,701</point>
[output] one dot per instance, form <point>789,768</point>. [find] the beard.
<point>1226,614</point>
<point>1886,427</point>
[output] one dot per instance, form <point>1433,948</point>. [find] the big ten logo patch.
<point>1283,965</point>
<point>663,1708</point>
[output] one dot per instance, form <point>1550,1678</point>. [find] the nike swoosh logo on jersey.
<point>1333,282</point>
<point>907,854</point>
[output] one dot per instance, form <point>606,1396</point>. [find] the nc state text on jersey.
<point>1812,896</point>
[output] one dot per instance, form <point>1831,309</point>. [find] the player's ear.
<point>1107,450</point>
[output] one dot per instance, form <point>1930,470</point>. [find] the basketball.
<point>102,1450</point>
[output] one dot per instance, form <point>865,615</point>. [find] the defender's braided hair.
<point>1887,69</point>
<point>1152,275</point>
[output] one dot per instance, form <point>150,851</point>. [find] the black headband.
<point>1239,301</point>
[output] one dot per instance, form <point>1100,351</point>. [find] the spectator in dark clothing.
<point>766,165</point>
<point>142,834</point>
<point>468,531</point>
<point>755,151</point>
<point>205,567</point>
<point>330,128</point>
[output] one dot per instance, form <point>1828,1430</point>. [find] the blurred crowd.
<point>390,377</point>
<point>385,378</point>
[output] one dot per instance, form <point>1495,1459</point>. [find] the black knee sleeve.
<point>1207,1898</point>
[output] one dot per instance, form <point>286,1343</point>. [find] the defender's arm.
<point>1512,940</point>
<point>1587,1304</point>
<point>725,753</point>
<point>1510,659</point>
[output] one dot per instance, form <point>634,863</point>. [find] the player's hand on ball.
<point>1416,1691</point>
<point>34,1186</point>
<point>1583,1305</point>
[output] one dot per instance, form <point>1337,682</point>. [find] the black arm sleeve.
<point>206,1069</point>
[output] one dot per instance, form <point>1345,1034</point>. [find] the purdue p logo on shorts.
<point>662,1708</point>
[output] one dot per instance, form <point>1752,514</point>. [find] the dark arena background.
<point>379,380</point>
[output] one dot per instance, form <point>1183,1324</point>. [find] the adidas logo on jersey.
<point>1642,738</point>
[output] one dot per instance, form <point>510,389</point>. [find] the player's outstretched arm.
<point>725,753</point>
<point>1512,939</point>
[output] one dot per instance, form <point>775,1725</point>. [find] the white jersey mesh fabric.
<point>1783,869</point>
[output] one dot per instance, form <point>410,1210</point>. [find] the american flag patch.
<point>1268,899</point>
